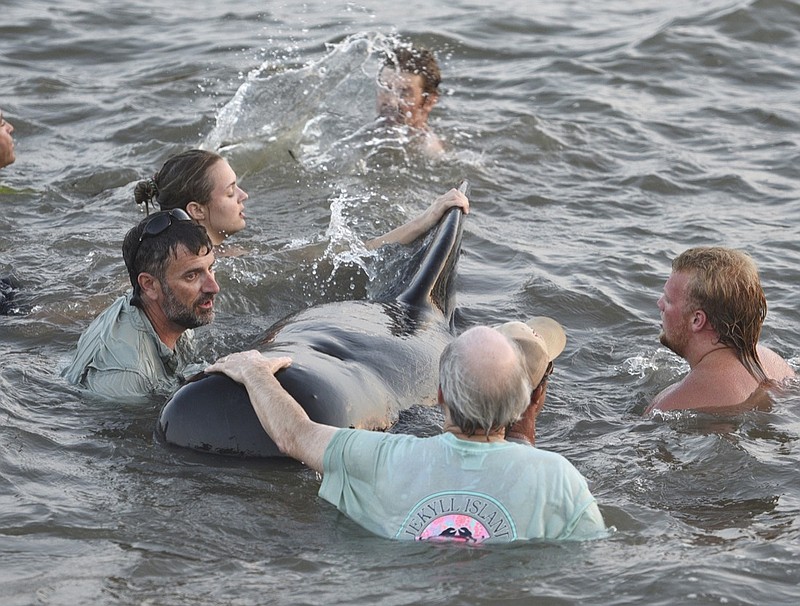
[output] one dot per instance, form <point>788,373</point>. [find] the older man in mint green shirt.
<point>469,484</point>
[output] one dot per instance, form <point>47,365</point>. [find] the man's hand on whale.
<point>293,432</point>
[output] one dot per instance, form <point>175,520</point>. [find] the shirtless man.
<point>712,310</point>
<point>409,88</point>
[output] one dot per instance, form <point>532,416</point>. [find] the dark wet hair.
<point>420,61</point>
<point>724,283</point>
<point>182,179</point>
<point>152,254</point>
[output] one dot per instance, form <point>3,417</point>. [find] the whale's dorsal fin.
<point>430,285</point>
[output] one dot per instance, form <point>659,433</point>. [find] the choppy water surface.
<point>601,139</point>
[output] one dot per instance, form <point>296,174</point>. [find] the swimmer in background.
<point>7,155</point>
<point>9,284</point>
<point>203,184</point>
<point>408,90</point>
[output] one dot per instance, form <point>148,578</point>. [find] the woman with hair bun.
<point>204,185</point>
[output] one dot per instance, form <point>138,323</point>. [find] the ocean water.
<point>600,139</point>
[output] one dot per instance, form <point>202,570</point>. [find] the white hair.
<point>483,381</point>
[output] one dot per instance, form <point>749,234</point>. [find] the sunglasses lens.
<point>156,225</point>
<point>162,221</point>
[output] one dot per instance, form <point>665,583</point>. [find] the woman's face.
<point>224,212</point>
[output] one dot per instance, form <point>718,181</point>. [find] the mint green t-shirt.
<point>441,487</point>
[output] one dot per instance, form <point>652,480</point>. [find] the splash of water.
<point>308,108</point>
<point>345,246</point>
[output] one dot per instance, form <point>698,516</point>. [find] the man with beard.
<point>712,310</point>
<point>141,344</point>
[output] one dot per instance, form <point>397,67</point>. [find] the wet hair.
<point>153,254</point>
<point>420,61</point>
<point>724,283</point>
<point>484,384</point>
<point>182,179</point>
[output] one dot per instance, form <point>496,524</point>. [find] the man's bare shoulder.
<point>704,390</point>
<point>774,365</point>
<point>683,395</point>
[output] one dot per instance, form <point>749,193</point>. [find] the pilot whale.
<point>354,363</point>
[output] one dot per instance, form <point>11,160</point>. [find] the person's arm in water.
<point>281,416</point>
<point>405,234</point>
<point>422,223</point>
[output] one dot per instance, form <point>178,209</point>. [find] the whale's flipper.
<point>354,363</point>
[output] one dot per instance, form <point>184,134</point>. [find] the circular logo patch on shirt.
<point>458,516</point>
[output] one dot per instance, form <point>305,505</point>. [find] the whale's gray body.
<point>354,363</point>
